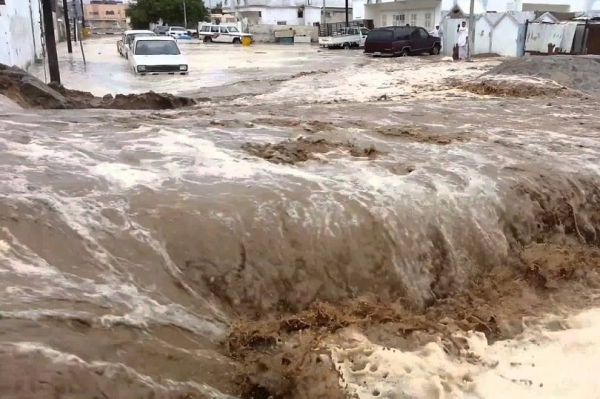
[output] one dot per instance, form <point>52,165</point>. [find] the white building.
<point>287,12</point>
<point>428,13</point>
<point>20,32</point>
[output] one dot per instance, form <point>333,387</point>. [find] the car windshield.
<point>162,28</point>
<point>134,35</point>
<point>156,47</point>
<point>380,34</point>
<point>177,28</point>
<point>232,29</point>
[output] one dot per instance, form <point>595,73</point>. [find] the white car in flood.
<point>225,33</point>
<point>177,31</point>
<point>157,55</point>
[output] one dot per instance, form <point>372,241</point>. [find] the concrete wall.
<point>266,33</point>
<point>20,33</point>
<point>505,37</point>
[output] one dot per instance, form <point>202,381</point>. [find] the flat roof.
<point>129,32</point>
<point>161,38</point>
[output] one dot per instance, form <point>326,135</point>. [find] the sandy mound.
<point>302,149</point>
<point>290,356</point>
<point>537,76</point>
<point>30,92</point>
<point>513,88</point>
<point>581,73</point>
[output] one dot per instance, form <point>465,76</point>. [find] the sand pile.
<point>537,76</point>
<point>581,73</point>
<point>30,92</point>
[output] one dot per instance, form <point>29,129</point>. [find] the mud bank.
<point>30,92</point>
<point>515,87</point>
<point>578,73</point>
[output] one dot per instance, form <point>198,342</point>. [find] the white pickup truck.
<point>157,55</point>
<point>346,38</point>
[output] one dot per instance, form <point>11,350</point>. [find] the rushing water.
<point>130,240</point>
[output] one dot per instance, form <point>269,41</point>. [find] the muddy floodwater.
<point>315,210</point>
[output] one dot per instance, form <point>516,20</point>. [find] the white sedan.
<point>157,55</point>
<point>177,31</point>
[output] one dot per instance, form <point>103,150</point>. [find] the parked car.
<point>346,38</point>
<point>177,31</point>
<point>157,55</point>
<point>124,45</point>
<point>402,41</point>
<point>221,34</point>
<point>161,30</point>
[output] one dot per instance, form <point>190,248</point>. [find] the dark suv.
<point>401,40</point>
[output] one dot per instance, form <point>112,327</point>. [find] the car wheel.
<point>207,39</point>
<point>346,46</point>
<point>404,53</point>
<point>435,50</point>
<point>236,40</point>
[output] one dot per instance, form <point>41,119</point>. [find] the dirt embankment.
<point>535,76</point>
<point>30,92</point>
<point>512,88</point>
<point>303,149</point>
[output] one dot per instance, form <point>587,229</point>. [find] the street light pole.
<point>184,15</point>
<point>50,41</point>
<point>82,15</point>
<point>67,26</point>
<point>471,38</point>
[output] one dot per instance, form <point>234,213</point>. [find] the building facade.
<point>429,13</point>
<point>105,14</point>
<point>20,32</point>
<point>287,12</point>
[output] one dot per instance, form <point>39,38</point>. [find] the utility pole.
<point>184,15</point>
<point>67,26</point>
<point>324,16</point>
<point>347,22</point>
<point>75,22</point>
<point>50,41</point>
<point>471,45</point>
<point>82,15</point>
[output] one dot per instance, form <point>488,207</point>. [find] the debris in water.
<point>302,149</point>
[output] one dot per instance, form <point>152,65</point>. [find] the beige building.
<point>105,14</point>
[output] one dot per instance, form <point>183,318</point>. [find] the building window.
<point>2,2</point>
<point>260,14</point>
<point>110,12</point>
<point>281,22</point>
<point>383,19</point>
<point>413,19</point>
<point>399,20</point>
<point>428,20</point>
<point>300,13</point>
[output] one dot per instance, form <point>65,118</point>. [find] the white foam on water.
<point>376,78</point>
<point>543,363</point>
